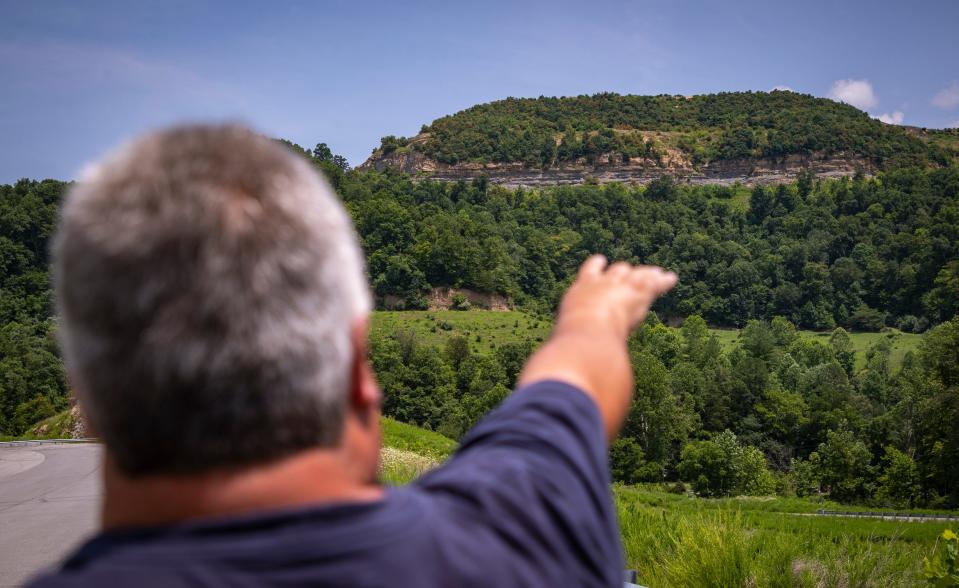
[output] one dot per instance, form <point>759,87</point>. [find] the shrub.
<point>460,302</point>
<point>942,571</point>
<point>867,319</point>
<point>722,467</point>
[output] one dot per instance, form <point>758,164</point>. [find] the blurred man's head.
<point>208,283</point>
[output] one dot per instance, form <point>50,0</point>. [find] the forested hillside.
<point>860,253</point>
<point>778,411</point>
<point>546,131</point>
<point>32,380</point>
<point>775,413</point>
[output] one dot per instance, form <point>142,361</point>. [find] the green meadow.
<point>676,539</point>
<point>487,329</point>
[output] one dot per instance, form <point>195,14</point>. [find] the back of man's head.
<point>207,280</point>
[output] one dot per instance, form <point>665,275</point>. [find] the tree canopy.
<point>545,131</point>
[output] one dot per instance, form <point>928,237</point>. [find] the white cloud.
<point>783,89</point>
<point>858,93</point>
<point>894,118</point>
<point>68,67</point>
<point>948,97</point>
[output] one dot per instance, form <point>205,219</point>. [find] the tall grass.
<point>672,541</point>
<point>410,438</point>
<point>399,467</point>
<point>409,451</point>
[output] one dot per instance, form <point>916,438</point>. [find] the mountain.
<point>749,137</point>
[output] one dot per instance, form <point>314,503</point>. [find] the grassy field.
<point>680,540</point>
<point>485,330</point>
<point>684,541</point>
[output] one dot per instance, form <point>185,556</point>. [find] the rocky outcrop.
<point>442,299</point>
<point>759,171</point>
<point>68,424</point>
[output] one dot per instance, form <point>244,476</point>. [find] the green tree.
<point>899,482</point>
<point>867,319</point>
<point>760,204</point>
<point>32,411</point>
<point>842,350</point>
<point>32,378</point>
<point>784,415</point>
<point>758,340</point>
<point>783,331</point>
<point>753,476</point>
<point>722,466</point>
<point>938,435</point>
<point>457,350</point>
<point>695,335</point>
<point>656,420</point>
<point>942,301</point>
<point>843,466</point>
<point>708,467</point>
<point>627,461</point>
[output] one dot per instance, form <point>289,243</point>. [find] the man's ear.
<point>364,392</point>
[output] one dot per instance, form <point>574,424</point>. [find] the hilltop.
<point>747,137</point>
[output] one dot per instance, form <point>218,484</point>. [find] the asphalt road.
<point>49,502</point>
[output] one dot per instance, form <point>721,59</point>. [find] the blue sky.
<point>77,78</point>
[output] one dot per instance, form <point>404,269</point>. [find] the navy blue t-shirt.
<point>525,501</point>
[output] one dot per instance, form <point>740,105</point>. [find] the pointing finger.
<point>654,279</point>
<point>593,266</point>
<point>619,269</point>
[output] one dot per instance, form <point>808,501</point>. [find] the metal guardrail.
<point>31,442</point>
<point>886,515</point>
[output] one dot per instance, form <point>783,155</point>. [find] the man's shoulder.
<point>524,501</point>
<point>89,578</point>
<point>316,544</point>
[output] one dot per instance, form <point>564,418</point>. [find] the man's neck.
<point>310,477</point>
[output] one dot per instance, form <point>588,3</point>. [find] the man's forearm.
<point>594,360</point>
<point>588,346</point>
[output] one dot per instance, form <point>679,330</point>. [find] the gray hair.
<point>207,280</point>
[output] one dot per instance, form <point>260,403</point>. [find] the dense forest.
<point>548,130</point>
<point>32,380</point>
<point>777,413</point>
<point>861,253</point>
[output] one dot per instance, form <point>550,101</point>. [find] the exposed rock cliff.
<point>442,299</point>
<point>637,170</point>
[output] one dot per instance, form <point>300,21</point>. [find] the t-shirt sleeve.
<point>526,499</point>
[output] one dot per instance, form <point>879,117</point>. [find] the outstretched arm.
<point>588,345</point>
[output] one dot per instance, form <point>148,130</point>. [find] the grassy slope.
<point>679,540</point>
<point>497,328</point>
<point>947,139</point>
<point>409,451</point>
<point>409,438</point>
<point>59,426</point>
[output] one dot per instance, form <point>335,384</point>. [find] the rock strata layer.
<point>748,172</point>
